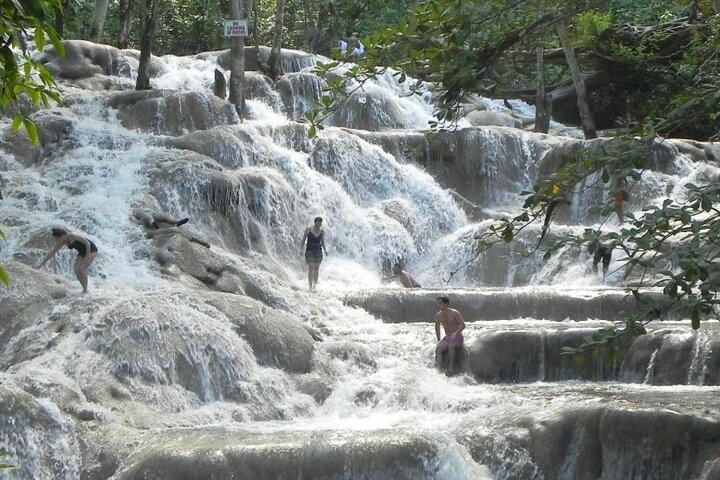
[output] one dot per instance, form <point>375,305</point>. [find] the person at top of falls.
<point>453,325</point>
<point>604,253</point>
<point>402,276</point>
<point>151,219</point>
<point>619,196</point>
<point>351,42</point>
<point>87,251</point>
<point>313,245</point>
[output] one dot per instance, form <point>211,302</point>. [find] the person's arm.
<point>322,242</point>
<point>51,254</point>
<point>461,322</point>
<point>437,328</point>
<point>302,242</point>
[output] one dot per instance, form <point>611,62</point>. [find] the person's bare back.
<point>453,324</point>
<point>450,319</point>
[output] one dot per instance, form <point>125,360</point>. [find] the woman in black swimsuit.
<point>87,251</point>
<point>313,245</point>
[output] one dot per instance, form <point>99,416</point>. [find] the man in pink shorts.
<point>453,324</point>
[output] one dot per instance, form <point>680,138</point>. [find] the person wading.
<point>313,243</point>
<point>87,251</point>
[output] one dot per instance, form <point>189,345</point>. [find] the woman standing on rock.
<point>313,243</point>
<point>87,251</point>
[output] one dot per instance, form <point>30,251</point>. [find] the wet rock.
<point>370,109</point>
<point>31,294</point>
<point>482,118</point>
<point>506,357</point>
<point>315,385</point>
<point>54,134</point>
<point>277,338</point>
<point>667,444</point>
<point>242,455</point>
<point>420,305</point>
<point>86,60</point>
<point>167,112</point>
<point>299,91</point>
<point>256,59</point>
<point>43,441</point>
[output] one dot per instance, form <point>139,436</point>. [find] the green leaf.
<point>4,277</point>
<point>32,131</point>
<point>17,121</point>
<point>312,132</point>
<point>39,38</point>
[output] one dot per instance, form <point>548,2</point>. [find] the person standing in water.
<point>604,254</point>
<point>87,251</point>
<point>313,244</point>
<point>453,325</point>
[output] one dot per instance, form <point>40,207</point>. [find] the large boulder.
<point>85,60</point>
<point>167,112</point>
<point>225,454</point>
<point>482,118</point>
<point>31,293</point>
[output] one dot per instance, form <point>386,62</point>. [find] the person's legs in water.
<point>82,264</point>
<point>313,259</point>
<point>442,347</point>
<point>167,219</point>
<point>606,258</point>
<point>316,273</point>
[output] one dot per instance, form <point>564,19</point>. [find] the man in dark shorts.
<point>453,325</point>
<point>603,253</point>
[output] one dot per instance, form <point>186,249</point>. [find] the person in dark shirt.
<point>604,253</point>
<point>313,245</point>
<point>87,251</point>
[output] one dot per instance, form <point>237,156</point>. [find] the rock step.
<point>541,303</point>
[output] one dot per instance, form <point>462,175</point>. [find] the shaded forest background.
<point>639,59</point>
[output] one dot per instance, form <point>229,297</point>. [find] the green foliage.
<point>589,26</point>
<point>3,276</point>
<point>20,76</point>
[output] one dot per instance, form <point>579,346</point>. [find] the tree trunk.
<point>275,64</point>
<point>101,8</point>
<point>588,124</point>
<point>148,31</point>
<point>542,104</point>
<point>256,27</point>
<point>716,6</point>
<point>60,19</point>
<point>125,12</point>
<point>237,68</point>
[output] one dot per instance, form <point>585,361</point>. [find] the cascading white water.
<point>184,365</point>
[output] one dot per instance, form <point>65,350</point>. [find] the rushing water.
<point>253,207</point>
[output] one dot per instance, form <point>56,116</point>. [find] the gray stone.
<point>483,118</point>
<point>241,455</point>
<point>169,112</point>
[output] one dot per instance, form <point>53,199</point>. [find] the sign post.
<point>235,28</point>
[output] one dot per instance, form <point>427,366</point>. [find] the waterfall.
<point>200,352</point>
